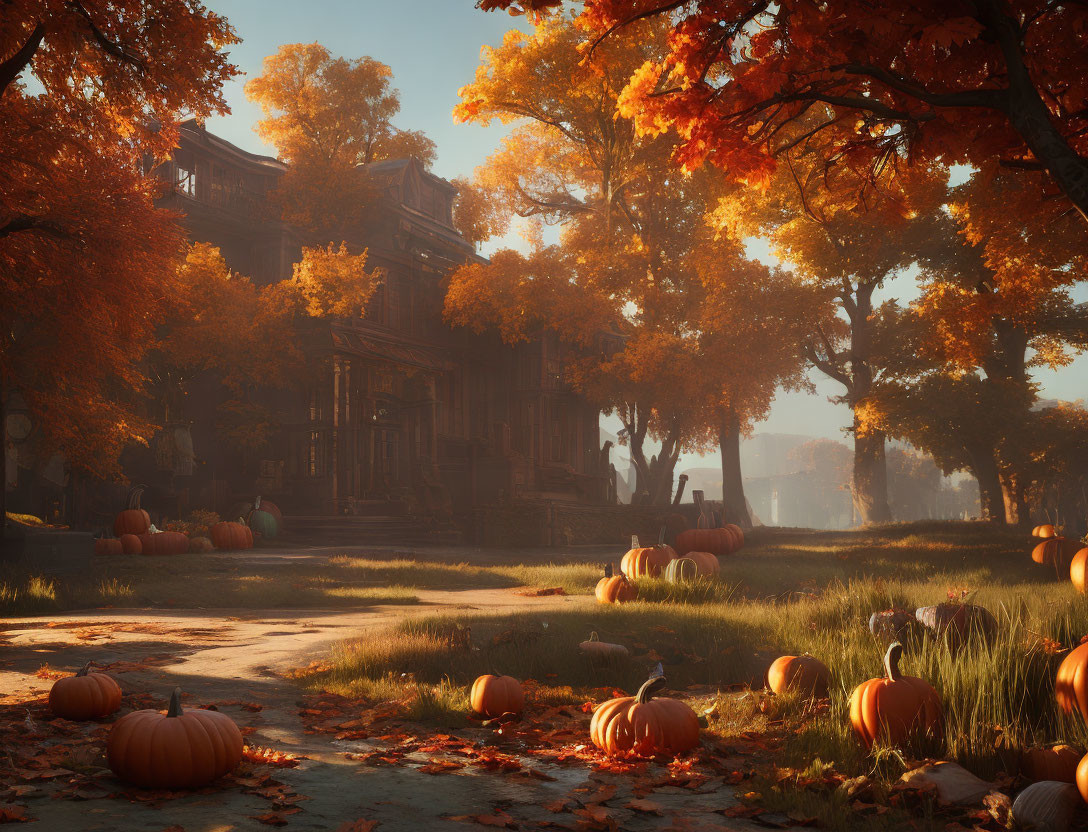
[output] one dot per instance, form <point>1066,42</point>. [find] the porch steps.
<point>369,530</point>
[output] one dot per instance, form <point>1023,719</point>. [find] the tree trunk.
<point>3,474</point>
<point>734,506</point>
<point>1014,501</point>
<point>1028,114</point>
<point>991,502</point>
<point>870,485</point>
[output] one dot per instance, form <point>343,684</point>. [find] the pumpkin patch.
<point>894,707</point>
<point>644,724</point>
<point>87,695</point>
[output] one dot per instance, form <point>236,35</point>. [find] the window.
<point>185,182</point>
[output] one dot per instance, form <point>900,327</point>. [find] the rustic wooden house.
<point>401,408</point>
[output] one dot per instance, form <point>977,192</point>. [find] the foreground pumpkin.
<point>644,726</point>
<point>228,535</point>
<point>1045,530</point>
<point>1071,683</point>
<point>647,562</point>
<point>494,696</point>
<point>86,695</point>
<point>614,589</point>
<point>1078,571</point>
<point>108,546</point>
<point>1082,777</point>
<point>894,707</point>
<point>1058,763</point>
<point>804,674</point>
<point>133,520</point>
<point>173,749</point>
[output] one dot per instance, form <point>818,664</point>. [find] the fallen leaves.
<point>270,757</point>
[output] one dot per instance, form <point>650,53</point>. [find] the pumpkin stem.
<point>891,661</point>
<point>661,537</point>
<point>175,703</point>
<point>135,495</point>
<point>257,503</point>
<point>594,637</point>
<point>85,669</point>
<point>608,570</point>
<point>649,688</point>
<point>634,541</point>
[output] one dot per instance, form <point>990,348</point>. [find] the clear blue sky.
<point>433,47</point>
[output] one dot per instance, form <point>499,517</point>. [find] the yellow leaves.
<point>332,282</point>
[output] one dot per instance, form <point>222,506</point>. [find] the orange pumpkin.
<point>164,543</point>
<point>1082,777</point>
<point>85,696</point>
<point>494,696</point>
<point>804,674</point>
<point>738,535</point>
<point>614,589</point>
<point>131,544</point>
<point>1056,551</point>
<point>200,545</point>
<point>893,707</point>
<point>1078,571</point>
<point>1071,683</point>
<point>108,546</point>
<point>644,726</point>
<point>718,542</point>
<point>173,749</point>
<point>647,562</point>
<point>228,535</point>
<point>1045,530</point>
<point>133,520</point>
<point>706,564</point>
<point>1058,763</point>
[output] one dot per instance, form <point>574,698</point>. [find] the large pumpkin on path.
<point>806,675</point>
<point>643,725</point>
<point>229,535</point>
<point>133,520</point>
<point>894,707</point>
<point>614,589</point>
<point>173,749</point>
<point>85,696</point>
<point>164,543</point>
<point>494,696</point>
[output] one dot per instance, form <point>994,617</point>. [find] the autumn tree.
<point>984,82</point>
<point>87,92</point>
<point>634,241</point>
<point>328,118</point>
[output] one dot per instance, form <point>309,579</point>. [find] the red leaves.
<point>271,757</point>
<point>10,813</point>
<point>358,826</point>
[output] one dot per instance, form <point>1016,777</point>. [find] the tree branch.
<point>10,69</point>
<point>108,46</point>
<point>26,222</point>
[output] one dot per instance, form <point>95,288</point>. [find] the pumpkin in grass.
<point>131,545</point>
<point>706,563</point>
<point>494,696</point>
<point>174,749</point>
<point>647,561</point>
<point>164,543</point>
<point>1055,551</point>
<point>1045,530</point>
<point>614,589</point>
<point>956,622</point>
<point>644,725</point>
<point>719,542</point>
<point>108,546</point>
<point>894,707</point>
<point>228,535</point>
<point>1058,763</point>
<point>133,520</point>
<point>201,545</point>
<point>1078,571</point>
<point>806,675</point>
<point>1082,777</point>
<point>681,571</point>
<point>1071,683</point>
<point>603,650</point>
<point>86,695</point>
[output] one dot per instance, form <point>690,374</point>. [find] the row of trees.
<point>842,161</point>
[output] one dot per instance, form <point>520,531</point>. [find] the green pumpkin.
<point>264,524</point>
<point>682,571</point>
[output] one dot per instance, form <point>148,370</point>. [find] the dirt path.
<point>231,656</point>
